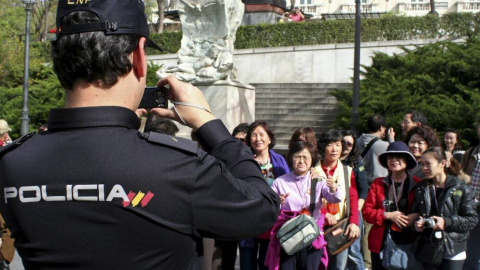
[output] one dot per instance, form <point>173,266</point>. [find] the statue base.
<point>232,102</point>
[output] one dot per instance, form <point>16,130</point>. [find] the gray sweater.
<point>373,168</point>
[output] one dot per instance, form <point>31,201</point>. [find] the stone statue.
<point>206,53</point>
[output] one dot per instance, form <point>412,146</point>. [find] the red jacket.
<point>373,210</point>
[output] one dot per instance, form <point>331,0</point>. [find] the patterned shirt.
<point>475,179</point>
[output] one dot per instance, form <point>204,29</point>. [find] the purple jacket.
<point>279,164</point>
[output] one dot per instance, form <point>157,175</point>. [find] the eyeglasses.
<point>298,158</point>
<point>420,143</point>
<point>349,144</point>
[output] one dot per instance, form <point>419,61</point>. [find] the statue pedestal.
<point>233,103</point>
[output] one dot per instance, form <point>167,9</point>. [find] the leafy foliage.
<point>442,80</point>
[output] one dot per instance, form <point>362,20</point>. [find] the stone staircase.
<point>288,106</point>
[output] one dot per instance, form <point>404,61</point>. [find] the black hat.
<point>398,148</point>
<point>117,17</point>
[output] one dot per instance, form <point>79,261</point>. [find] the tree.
<point>44,17</point>
<point>442,80</point>
<point>161,15</point>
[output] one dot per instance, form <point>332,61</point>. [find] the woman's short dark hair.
<point>427,133</point>
<point>300,146</point>
<point>307,132</point>
<point>243,127</point>
<point>92,57</point>
<point>332,135</point>
<point>459,144</point>
<point>267,128</point>
<point>438,153</point>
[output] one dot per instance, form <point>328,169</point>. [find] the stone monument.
<point>205,59</point>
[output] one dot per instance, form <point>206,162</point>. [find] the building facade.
<point>329,9</point>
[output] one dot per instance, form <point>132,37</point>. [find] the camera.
<point>389,206</point>
<point>428,222</point>
<point>154,97</point>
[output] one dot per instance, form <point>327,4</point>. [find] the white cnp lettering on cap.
<point>77,2</point>
<point>72,193</point>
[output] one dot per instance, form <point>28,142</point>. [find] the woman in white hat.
<point>389,201</point>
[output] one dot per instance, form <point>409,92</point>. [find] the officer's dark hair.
<point>332,135</point>
<point>427,133</point>
<point>375,122</point>
<point>438,153</point>
<point>267,128</point>
<point>300,146</point>
<point>418,117</point>
<point>92,57</point>
<point>160,125</point>
<point>243,127</point>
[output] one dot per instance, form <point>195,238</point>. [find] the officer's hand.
<point>140,112</point>
<point>187,93</point>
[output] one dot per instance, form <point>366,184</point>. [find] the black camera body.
<point>389,206</point>
<point>154,97</point>
<point>428,222</point>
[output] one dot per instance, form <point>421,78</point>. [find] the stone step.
<point>288,106</point>
<point>293,100</point>
<point>303,85</point>
<point>296,111</point>
<point>291,128</point>
<point>293,90</point>
<point>293,94</point>
<point>293,117</point>
<point>281,105</point>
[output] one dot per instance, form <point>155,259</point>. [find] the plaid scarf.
<point>475,180</point>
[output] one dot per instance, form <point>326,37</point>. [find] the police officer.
<point>94,193</point>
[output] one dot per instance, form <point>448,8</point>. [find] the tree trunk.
<point>161,15</point>
<point>41,19</point>
<point>292,4</point>
<point>172,4</point>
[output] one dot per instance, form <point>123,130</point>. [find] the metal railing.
<point>366,8</point>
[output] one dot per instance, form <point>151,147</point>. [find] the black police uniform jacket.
<point>94,193</point>
<point>456,206</point>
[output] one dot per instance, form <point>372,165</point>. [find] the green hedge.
<point>388,27</point>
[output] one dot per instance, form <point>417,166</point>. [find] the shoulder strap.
<point>369,145</point>
<point>171,141</point>
<point>347,189</point>
<point>313,191</point>
<point>8,148</point>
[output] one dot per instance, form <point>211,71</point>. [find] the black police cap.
<point>117,17</point>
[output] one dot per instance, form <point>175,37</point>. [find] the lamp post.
<point>356,68</point>
<point>25,119</point>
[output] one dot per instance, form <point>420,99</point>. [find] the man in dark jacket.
<point>94,193</point>
<point>471,166</point>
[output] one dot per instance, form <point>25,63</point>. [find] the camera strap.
<point>394,191</point>
<point>434,199</point>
